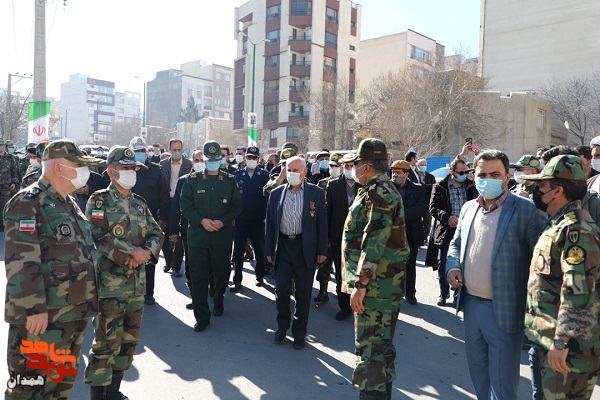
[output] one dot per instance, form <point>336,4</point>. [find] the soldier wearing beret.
<point>375,251</point>
<point>9,176</point>
<point>527,165</point>
<point>563,299</point>
<point>210,200</point>
<point>51,281</point>
<point>127,238</point>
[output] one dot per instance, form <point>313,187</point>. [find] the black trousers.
<point>173,254</point>
<point>411,271</point>
<point>186,252</point>
<point>343,298</point>
<point>255,231</point>
<point>289,263</point>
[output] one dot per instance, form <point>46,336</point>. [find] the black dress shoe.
<point>149,300</point>
<point>235,288</point>
<point>200,326</point>
<point>166,268</point>
<point>343,314</point>
<point>177,273</point>
<point>441,301</point>
<point>189,306</point>
<point>218,311</point>
<point>279,336</point>
<point>299,344</point>
<point>260,282</point>
<point>322,297</point>
<point>411,300</point>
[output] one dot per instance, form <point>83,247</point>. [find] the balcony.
<point>300,44</point>
<point>301,19</point>
<point>299,93</point>
<point>271,96</point>
<point>272,47</point>
<point>300,70</point>
<point>299,114</point>
<point>271,72</point>
<point>270,118</point>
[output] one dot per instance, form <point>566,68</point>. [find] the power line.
<point>15,30</point>
<point>52,24</point>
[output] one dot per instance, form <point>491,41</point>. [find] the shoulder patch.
<point>573,236</point>
<point>575,255</point>
<point>33,192</point>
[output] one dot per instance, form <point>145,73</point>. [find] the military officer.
<point>127,237</point>
<point>526,165</point>
<point>25,161</point>
<point>51,285</point>
<point>34,171</point>
<point>9,177</point>
<point>210,200</point>
<point>375,251</point>
<point>563,299</point>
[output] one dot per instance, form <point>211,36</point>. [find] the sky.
<point>116,40</point>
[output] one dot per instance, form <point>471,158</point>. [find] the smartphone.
<point>469,140</point>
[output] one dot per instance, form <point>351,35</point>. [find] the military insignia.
<point>118,230</point>
<point>97,214</point>
<point>220,177</point>
<point>540,263</point>
<point>311,208</point>
<point>115,196</point>
<point>212,149</point>
<point>349,219</point>
<point>128,153</point>
<point>144,231</point>
<point>27,225</point>
<point>140,209</point>
<point>575,255</point>
<point>99,203</point>
<point>224,201</point>
<point>140,141</point>
<point>201,191</point>
<point>574,236</point>
<point>65,230</point>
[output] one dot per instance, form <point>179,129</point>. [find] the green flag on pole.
<point>39,121</point>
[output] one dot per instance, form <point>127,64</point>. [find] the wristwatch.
<point>559,344</point>
<point>359,285</point>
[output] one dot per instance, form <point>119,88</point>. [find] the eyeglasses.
<point>461,173</point>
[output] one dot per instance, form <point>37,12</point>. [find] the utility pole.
<point>39,108</point>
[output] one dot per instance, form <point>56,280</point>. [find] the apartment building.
<point>286,50</point>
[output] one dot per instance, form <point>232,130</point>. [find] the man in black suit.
<point>428,181</point>
<point>411,158</point>
<point>340,195</point>
<point>173,168</point>
<point>415,201</point>
<point>295,242</point>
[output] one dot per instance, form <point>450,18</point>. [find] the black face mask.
<point>270,167</point>
<point>537,199</point>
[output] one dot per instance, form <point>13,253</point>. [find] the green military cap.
<point>122,155</point>
<point>212,150</point>
<point>39,148</point>
<point>564,167</point>
<point>527,161</point>
<point>67,149</point>
<point>9,143</point>
<point>348,157</point>
<point>334,159</point>
<point>2,142</point>
<point>287,153</point>
<point>30,148</point>
<point>370,149</point>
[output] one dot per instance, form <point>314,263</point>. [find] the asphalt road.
<point>236,358</point>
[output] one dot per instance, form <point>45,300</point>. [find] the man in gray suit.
<point>295,242</point>
<point>492,279</point>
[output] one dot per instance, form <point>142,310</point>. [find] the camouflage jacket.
<point>8,172</point>
<point>50,257</point>
<point>374,243</point>
<point>24,165</point>
<point>521,187</point>
<point>119,225</point>
<point>33,174</point>
<point>564,288</point>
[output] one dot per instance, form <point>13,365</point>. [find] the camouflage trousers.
<point>64,336</point>
<point>5,196</point>
<point>577,384</point>
<point>374,336</point>
<point>117,333</point>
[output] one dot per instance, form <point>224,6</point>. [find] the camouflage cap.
<point>9,143</point>
<point>67,149</point>
<point>528,161</point>
<point>212,150</point>
<point>371,149</point>
<point>39,148</point>
<point>2,142</point>
<point>334,159</point>
<point>122,155</point>
<point>138,143</point>
<point>400,164</point>
<point>287,153</point>
<point>348,157</point>
<point>564,167</point>
<point>30,148</point>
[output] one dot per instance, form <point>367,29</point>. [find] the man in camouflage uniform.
<point>34,171</point>
<point>563,301</point>
<point>526,165</point>
<point>210,200</point>
<point>127,237</point>
<point>50,257</point>
<point>9,177</point>
<point>375,251</point>
<point>25,161</point>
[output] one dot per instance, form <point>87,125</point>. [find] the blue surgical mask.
<point>423,168</point>
<point>213,166</point>
<point>460,178</point>
<point>489,188</point>
<point>323,164</point>
<point>140,156</point>
<point>222,161</point>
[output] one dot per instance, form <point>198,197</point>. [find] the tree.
<point>190,113</point>
<point>576,103</point>
<point>13,116</point>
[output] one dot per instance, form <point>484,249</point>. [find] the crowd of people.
<point>520,252</point>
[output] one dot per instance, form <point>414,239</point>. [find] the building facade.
<point>286,50</point>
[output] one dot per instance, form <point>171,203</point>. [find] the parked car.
<point>93,148</point>
<point>440,173</point>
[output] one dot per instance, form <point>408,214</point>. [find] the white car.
<point>440,173</point>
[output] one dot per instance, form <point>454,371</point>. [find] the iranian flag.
<point>39,121</point>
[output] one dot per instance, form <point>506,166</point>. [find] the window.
<point>242,113</point>
<point>272,86</point>
<point>227,91</point>
<point>301,7</point>
<point>226,116</point>
<point>198,101</point>
<point>207,91</point>
<point>331,14</point>
<point>216,114</point>
<point>352,48</point>
<point>272,61</point>
<point>217,102</point>
<point>199,88</point>
<point>273,36</point>
<point>420,54</point>
<point>244,68</point>
<point>293,132</point>
<point>217,88</point>
<point>245,45</point>
<point>330,64</point>
<point>227,78</point>
<point>217,76</point>
<point>189,86</point>
<point>120,111</point>
<point>330,40</point>
<point>541,119</point>
<point>272,110</point>
<point>273,133</point>
<point>119,101</point>
<point>273,12</point>
<point>226,103</point>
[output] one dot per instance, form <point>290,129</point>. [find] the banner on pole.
<point>39,121</point>
<point>252,131</point>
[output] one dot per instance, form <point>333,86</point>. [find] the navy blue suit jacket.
<point>314,226</point>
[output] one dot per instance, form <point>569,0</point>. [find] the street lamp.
<point>144,108</point>
<point>252,128</point>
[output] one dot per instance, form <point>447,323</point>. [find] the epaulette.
<point>32,193</point>
<point>571,218</point>
<point>225,173</point>
<point>155,164</point>
<point>193,175</point>
<point>137,196</point>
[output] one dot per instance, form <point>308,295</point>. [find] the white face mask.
<point>239,158</point>
<point>596,164</point>
<point>348,174</point>
<point>354,175</point>
<point>150,154</point>
<point>517,176</point>
<point>334,172</point>
<point>293,178</point>
<point>127,179</point>
<point>199,166</point>
<point>34,162</point>
<point>251,164</point>
<point>83,174</point>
